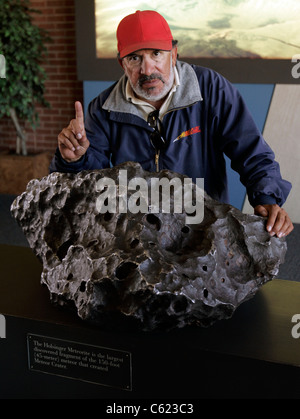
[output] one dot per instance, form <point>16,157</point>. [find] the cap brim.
<point>163,45</point>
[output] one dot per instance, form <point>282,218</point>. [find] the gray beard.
<point>149,95</point>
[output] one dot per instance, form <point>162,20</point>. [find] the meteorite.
<point>153,269</point>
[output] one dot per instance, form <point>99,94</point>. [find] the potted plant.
<point>22,84</point>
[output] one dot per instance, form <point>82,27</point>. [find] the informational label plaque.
<point>95,364</point>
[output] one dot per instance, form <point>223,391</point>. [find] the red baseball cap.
<point>141,30</point>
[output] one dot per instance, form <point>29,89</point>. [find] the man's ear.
<point>121,62</point>
<point>174,55</point>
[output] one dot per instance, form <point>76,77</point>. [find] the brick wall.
<point>62,86</point>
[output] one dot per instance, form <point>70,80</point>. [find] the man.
<point>166,114</point>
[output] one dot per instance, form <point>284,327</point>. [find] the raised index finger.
<point>79,114</point>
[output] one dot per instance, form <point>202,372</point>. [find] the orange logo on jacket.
<point>187,133</point>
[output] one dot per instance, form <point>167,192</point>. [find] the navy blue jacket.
<point>206,118</point>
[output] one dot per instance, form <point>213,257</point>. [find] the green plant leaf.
<point>22,43</point>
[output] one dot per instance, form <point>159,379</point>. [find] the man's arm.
<point>253,159</point>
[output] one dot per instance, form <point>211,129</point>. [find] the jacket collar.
<point>187,93</point>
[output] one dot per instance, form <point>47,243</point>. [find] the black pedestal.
<point>48,352</point>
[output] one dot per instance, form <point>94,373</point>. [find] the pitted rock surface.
<point>153,270</point>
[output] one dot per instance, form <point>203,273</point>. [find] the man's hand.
<point>278,223</point>
<point>72,141</point>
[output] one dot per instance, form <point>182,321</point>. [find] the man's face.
<point>150,73</point>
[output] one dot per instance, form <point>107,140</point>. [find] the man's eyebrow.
<point>150,49</point>
<point>132,54</point>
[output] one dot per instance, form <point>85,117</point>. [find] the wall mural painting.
<point>247,41</point>
<point>266,29</point>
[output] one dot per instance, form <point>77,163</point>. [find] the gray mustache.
<point>153,76</point>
